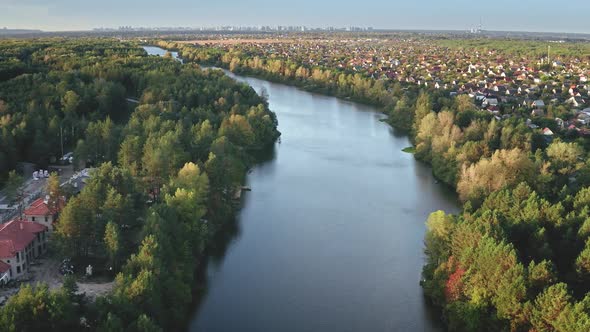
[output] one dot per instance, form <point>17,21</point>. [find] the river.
<point>154,50</point>
<point>331,236</point>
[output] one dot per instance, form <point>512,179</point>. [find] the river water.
<point>331,236</point>
<point>154,50</point>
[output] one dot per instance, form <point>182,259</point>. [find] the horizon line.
<point>325,28</point>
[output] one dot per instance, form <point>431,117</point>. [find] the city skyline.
<point>66,15</point>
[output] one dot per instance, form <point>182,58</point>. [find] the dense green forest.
<point>517,258</point>
<point>170,143</point>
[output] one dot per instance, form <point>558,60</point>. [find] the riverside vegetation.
<point>170,143</point>
<point>517,258</point>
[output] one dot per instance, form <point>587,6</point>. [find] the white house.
<point>39,211</point>
<point>490,102</point>
<point>20,242</point>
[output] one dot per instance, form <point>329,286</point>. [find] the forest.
<point>517,258</point>
<point>170,143</point>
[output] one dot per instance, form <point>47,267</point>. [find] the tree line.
<point>517,257</point>
<point>166,170</point>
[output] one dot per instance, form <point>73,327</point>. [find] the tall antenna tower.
<point>479,28</point>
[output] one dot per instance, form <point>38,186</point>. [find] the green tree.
<point>54,191</point>
<point>112,243</point>
<point>203,136</point>
<point>70,103</point>
<point>440,227</point>
<point>145,324</point>
<point>13,187</point>
<point>583,261</point>
<point>70,287</point>
<point>548,307</point>
<point>422,108</point>
<point>402,116</point>
<point>74,227</point>
<point>464,103</point>
<point>112,323</point>
<point>541,275</point>
<point>237,129</point>
<point>130,154</point>
<point>36,308</point>
<point>565,158</point>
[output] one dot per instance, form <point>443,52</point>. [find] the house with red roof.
<point>20,242</point>
<point>41,212</point>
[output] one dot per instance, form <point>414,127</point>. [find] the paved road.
<point>34,189</point>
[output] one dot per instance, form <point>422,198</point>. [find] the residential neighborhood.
<point>415,172</point>
<point>549,80</point>
<point>24,239</point>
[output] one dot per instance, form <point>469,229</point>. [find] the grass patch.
<point>409,149</point>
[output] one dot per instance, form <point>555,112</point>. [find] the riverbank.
<point>326,92</point>
<point>505,169</point>
<point>312,87</point>
<point>161,189</point>
<point>326,217</point>
<point>204,308</point>
<point>309,86</point>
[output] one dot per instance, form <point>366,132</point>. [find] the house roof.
<point>4,267</point>
<point>40,208</point>
<point>16,235</point>
<point>7,249</point>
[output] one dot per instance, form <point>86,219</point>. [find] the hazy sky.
<point>539,15</point>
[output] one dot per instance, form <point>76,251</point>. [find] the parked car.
<point>67,158</point>
<point>66,267</point>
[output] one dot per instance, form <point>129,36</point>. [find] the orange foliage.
<point>454,285</point>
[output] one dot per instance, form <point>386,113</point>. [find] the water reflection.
<point>332,233</point>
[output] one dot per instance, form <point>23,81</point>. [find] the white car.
<point>68,157</point>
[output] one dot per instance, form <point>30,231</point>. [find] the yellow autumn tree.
<point>506,168</point>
